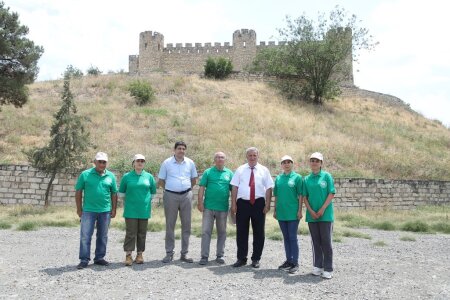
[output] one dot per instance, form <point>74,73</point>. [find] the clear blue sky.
<point>411,62</point>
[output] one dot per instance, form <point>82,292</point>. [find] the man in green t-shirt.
<point>214,204</point>
<point>97,208</point>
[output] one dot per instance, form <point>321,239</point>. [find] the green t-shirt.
<point>217,185</point>
<point>138,190</point>
<point>97,190</point>
<point>317,188</point>
<point>288,187</point>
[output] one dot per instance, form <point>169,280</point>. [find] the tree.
<point>18,59</point>
<point>94,71</point>
<point>219,68</point>
<point>319,54</point>
<point>73,72</point>
<point>68,140</point>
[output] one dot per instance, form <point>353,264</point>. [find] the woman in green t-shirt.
<point>319,193</point>
<point>137,187</point>
<point>288,211</point>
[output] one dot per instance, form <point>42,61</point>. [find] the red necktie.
<point>251,184</point>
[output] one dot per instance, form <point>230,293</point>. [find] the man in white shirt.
<point>250,200</point>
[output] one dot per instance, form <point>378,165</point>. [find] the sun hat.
<point>317,155</point>
<point>286,157</point>
<point>101,156</point>
<point>138,156</point>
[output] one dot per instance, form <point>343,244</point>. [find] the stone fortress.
<point>154,57</point>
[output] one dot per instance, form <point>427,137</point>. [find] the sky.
<point>411,61</point>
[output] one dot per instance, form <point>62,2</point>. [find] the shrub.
<point>141,91</point>
<point>218,69</point>
<point>4,225</point>
<point>442,227</point>
<point>386,225</point>
<point>407,238</point>
<point>73,72</point>
<point>416,226</point>
<point>93,71</point>
<point>27,226</point>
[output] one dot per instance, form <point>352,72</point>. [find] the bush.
<point>218,69</point>
<point>93,71</point>
<point>386,225</point>
<point>416,226</point>
<point>141,91</point>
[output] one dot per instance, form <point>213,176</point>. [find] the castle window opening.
<point>145,45</point>
<point>217,50</point>
<point>243,44</point>
<point>198,50</point>
<point>226,50</point>
<point>207,50</point>
<point>159,47</point>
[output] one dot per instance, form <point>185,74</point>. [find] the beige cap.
<point>286,157</point>
<point>317,155</point>
<point>101,156</point>
<point>138,156</point>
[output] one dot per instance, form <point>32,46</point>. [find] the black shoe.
<point>101,262</point>
<point>285,266</point>
<point>186,259</point>
<point>82,265</point>
<point>239,263</point>
<point>255,264</point>
<point>293,269</point>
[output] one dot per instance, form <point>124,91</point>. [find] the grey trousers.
<point>321,244</point>
<point>136,233</point>
<point>174,203</point>
<point>207,228</point>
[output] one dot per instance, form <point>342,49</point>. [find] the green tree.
<point>68,140</point>
<point>18,59</point>
<point>219,68</point>
<point>95,71</point>
<point>73,72</point>
<point>318,53</point>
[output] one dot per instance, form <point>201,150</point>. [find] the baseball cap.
<point>286,157</point>
<point>101,156</point>
<point>317,155</point>
<point>138,156</point>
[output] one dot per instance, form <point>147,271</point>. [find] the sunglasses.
<point>102,162</point>
<point>314,160</point>
<point>140,160</point>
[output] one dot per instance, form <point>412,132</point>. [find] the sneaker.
<point>317,271</point>
<point>82,265</point>
<point>285,266</point>
<point>203,261</point>
<point>255,264</point>
<point>186,259</point>
<point>168,258</point>
<point>128,260</point>
<point>239,263</point>
<point>220,260</point>
<point>101,262</point>
<point>293,269</point>
<point>327,275</point>
<point>139,259</point>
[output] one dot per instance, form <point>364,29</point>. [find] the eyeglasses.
<point>284,162</point>
<point>102,162</point>
<point>314,160</point>
<point>140,160</point>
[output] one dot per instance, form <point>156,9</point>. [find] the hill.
<point>359,135</point>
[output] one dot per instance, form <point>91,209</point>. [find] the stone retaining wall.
<point>25,185</point>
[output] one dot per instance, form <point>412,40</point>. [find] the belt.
<point>179,193</point>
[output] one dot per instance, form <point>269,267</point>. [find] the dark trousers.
<point>321,241</point>
<point>246,213</point>
<point>136,233</point>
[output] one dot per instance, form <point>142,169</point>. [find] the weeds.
<point>380,244</point>
<point>356,234</point>
<point>28,226</point>
<point>5,225</point>
<point>407,238</point>
<point>416,226</point>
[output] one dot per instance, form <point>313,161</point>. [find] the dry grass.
<point>359,137</point>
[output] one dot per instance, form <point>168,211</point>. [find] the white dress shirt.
<point>241,179</point>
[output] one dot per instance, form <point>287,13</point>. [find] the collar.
<point>318,174</point>
<point>175,160</point>
<point>255,167</point>
<point>217,169</point>
<point>93,170</point>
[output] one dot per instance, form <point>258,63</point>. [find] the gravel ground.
<point>42,264</point>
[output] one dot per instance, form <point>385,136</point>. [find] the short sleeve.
<point>305,188</point>
<point>114,184</point>
<point>331,189</point>
<point>204,179</point>
<point>162,171</point>
<point>268,180</point>
<point>299,186</point>
<point>123,184</point>
<point>275,188</point>
<point>80,183</point>
<point>152,184</point>
<point>236,178</point>
<point>194,173</point>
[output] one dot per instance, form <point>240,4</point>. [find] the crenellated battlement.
<point>191,57</point>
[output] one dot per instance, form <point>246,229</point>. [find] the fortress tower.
<point>244,48</point>
<point>151,46</point>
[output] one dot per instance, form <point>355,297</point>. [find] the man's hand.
<point>79,212</point>
<point>274,214</point>
<point>266,209</point>
<point>200,207</point>
<point>299,215</point>
<point>233,209</point>
<point>113,213</point>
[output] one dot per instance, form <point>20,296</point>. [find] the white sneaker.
<point>327,275</point>
<point>317,271</point>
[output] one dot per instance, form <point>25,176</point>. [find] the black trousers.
<point>321,235</point>
<point>246,213</point>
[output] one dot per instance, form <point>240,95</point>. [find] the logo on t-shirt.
<point>226,177</point>
<point>291,183</point>
<point>146,182</point>
<point>323,184</point>
<point>107,180</point>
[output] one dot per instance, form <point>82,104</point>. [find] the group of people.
<point>251,187</point>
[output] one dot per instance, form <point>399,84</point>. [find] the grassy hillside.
<point>359,137</point>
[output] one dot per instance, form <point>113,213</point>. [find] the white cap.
<point>101,156</point>
<point>286,157</point>
<point>317,155</point>
<point>138,156</point>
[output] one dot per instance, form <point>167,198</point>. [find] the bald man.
<point>213,202</point>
